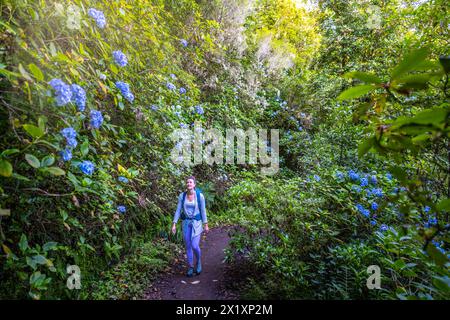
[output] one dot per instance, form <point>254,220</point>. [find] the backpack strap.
<point>183,214</point>
<point>198,200</point>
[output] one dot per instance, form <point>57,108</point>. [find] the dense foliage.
<point>92,90</point>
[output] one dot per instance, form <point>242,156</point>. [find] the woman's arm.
<point>203,210</point>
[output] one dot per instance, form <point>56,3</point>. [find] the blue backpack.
<point>198,216</point>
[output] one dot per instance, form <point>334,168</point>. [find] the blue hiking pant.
<point>192,244</point>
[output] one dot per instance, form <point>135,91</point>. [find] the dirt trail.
<point>209,285</point>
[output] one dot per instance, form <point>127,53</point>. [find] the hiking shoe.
<point>190,272</point>
<point>198,270</point>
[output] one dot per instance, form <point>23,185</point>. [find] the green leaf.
<point>84,148</point>
<point>20,177</point>
<point>444,205</point>
<point>47,161</point>
<point>445,62</point>
<point>409,62</point>
<point>73,179</point>
<point>24,73</point>
<point>50,246</point>
<point>33,131</point>
<point>37,73</point>
<point>9,152</point>
<point>23,243</point>
<point>442,283</point>
<point>55,171</point>
<point>32,160</point>
<point>39,259</point>
<point>365,146</point>
<point>363,76</point>
<point>436,255</point>
<point>41,123</point>
<point>356,92</point>
<point>6,168</point>
<point>412,81</point>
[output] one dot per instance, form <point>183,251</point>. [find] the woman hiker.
<point>191,207</point>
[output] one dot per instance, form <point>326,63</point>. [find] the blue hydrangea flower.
<point>125,90</point>
<point>373,222</point>
<point>356,188</point>
<point>182,90</point>
<point>183,125</point>
<point>199,109</point>
<point>353,175</point>
<point>154,107</point>
<point>300,128</point>
<point>173,76</point>
<point>364,182</point>
<point>98,16</point>
<point>366,213</point>
<point>378,192</point>
<point>63,91</point>
<point>389,176</point>
<point>69,133</point>
<point>184,42</point>
<point>373,180</point>
<point>96,119</point>
<point>170,86</point>
<point>316,177</point>
<point>426,209</point>
<point>374,206</point>
<point>384,228</point>
<point>123,179</point>
<point>87,167</point>
<point>120,58</point>
<point>339,175</point>
<point>121,209</point>
<point>432,221</point>
<point>102,76</point>
<point>66,154</point>
<point>72,142</point>
<point>79,97</point>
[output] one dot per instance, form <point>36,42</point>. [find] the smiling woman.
<point>191,207</point>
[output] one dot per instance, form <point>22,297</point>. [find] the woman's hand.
<point>174,228</point>
<point>206,227</point>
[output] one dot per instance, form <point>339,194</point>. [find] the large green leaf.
<point>55,171</point>
<point>364,76</point>
<point>444,205</point>
<point>50,246</point>
<point>23,243</point>
<point>24,73</point>
<point>47,161</point>
<point>32,161</point>
<point>6,168</point>
<point>365,146</point>
<point>436,255</point>
<point>445,62</point>
<point>356,92</point>
<point>37,73</point>
<point>33,131</point>
<point>9,152</point>
<point>409,62</point>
